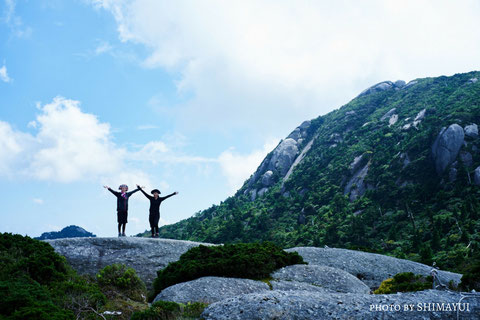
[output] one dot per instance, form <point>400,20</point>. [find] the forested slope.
<point>392,171</point>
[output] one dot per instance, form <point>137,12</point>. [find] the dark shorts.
<point>122,216</point>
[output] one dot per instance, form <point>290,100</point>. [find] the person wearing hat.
<point>155,202</point>
<point>122,206</point>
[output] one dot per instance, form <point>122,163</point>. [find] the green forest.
<point>407,208</point>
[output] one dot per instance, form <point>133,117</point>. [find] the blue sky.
<point>188,96</point>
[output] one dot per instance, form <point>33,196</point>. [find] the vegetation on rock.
<point>405,282</point>
<point>166,310</point>
<point>124,290</point>
<point>471,278</point>
<point>243,260</point>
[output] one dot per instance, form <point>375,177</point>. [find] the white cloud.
<point>158,152</point>
<point>147,127</point>
<point>238,167</point>
<point>12,145</point>
<point>69,145</point>
<point>72,145</point>
<point>103,47</point>
<point>257,64</point>
<point>13,21</point>
<point>37,200</point>
<point>4,75</point>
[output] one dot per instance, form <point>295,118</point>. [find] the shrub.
<point>120,276</point>
<point>24,256</point>
<point>166,310</point>
<point>26,299</point>
<point>36,283</point>
<point>243,260</point>
<point>405,282</point>
<point>471,279</point>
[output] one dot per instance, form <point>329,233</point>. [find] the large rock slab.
<point>326,277</point>
<point>446,146</point>
<point>291,285</point>
<point>371,268</point>
<point>283,156</point>
<point>283,305</point>
<point>146,256</point>
<point>210,289</point>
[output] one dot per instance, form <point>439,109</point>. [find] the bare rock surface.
<point>146,256</point>
<point>471,130</point>
<point>283,305</point>
<point>326,277</point>
<point>371,268</point>
<point>210,289</point>
<point>447,145</point>
<point>292,285</point>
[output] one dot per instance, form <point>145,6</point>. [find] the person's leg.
<point>119,228</point>
<point>123,229</point>
<point>156,225</point>
<point>152,224</point>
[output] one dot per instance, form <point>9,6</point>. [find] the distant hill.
<point>67,232</point>
<point>396,170</point>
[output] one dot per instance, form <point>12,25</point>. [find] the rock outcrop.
<point>476,176</point>
<point>383,86</point>
<point>283,305</point>
<point>471,130</point>
<point>331,279</point>
<point>388,114</point>
<point>356,186</point>
<point>280,162</point>
<point>210,289</point>
<point>371,268</point>
<point>283,156</point>
<point>146,256</point>
<point>446,147</point>
<point>267,178</point>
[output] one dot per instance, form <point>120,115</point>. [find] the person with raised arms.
<point>122,206</point>
<point>154,211</point>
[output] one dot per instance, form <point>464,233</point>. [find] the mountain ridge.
<point>67,232</point>
<point>389,172</point>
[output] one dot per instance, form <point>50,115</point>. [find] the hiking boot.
<point>123,234</point>
<point>156,235</point>
<point>119,234</point>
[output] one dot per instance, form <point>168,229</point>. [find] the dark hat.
<point>155,190</point>
<point>123,185</point>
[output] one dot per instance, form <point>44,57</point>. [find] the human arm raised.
<point>144,193</point>
<point>132,192</point>
<point>172,194</point>
<point>114,192</point>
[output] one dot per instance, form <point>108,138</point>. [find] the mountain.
<point>67,232</point>
<point>396,171</point>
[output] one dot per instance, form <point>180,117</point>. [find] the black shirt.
<point>122,203</point>
<point>155,203</point>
